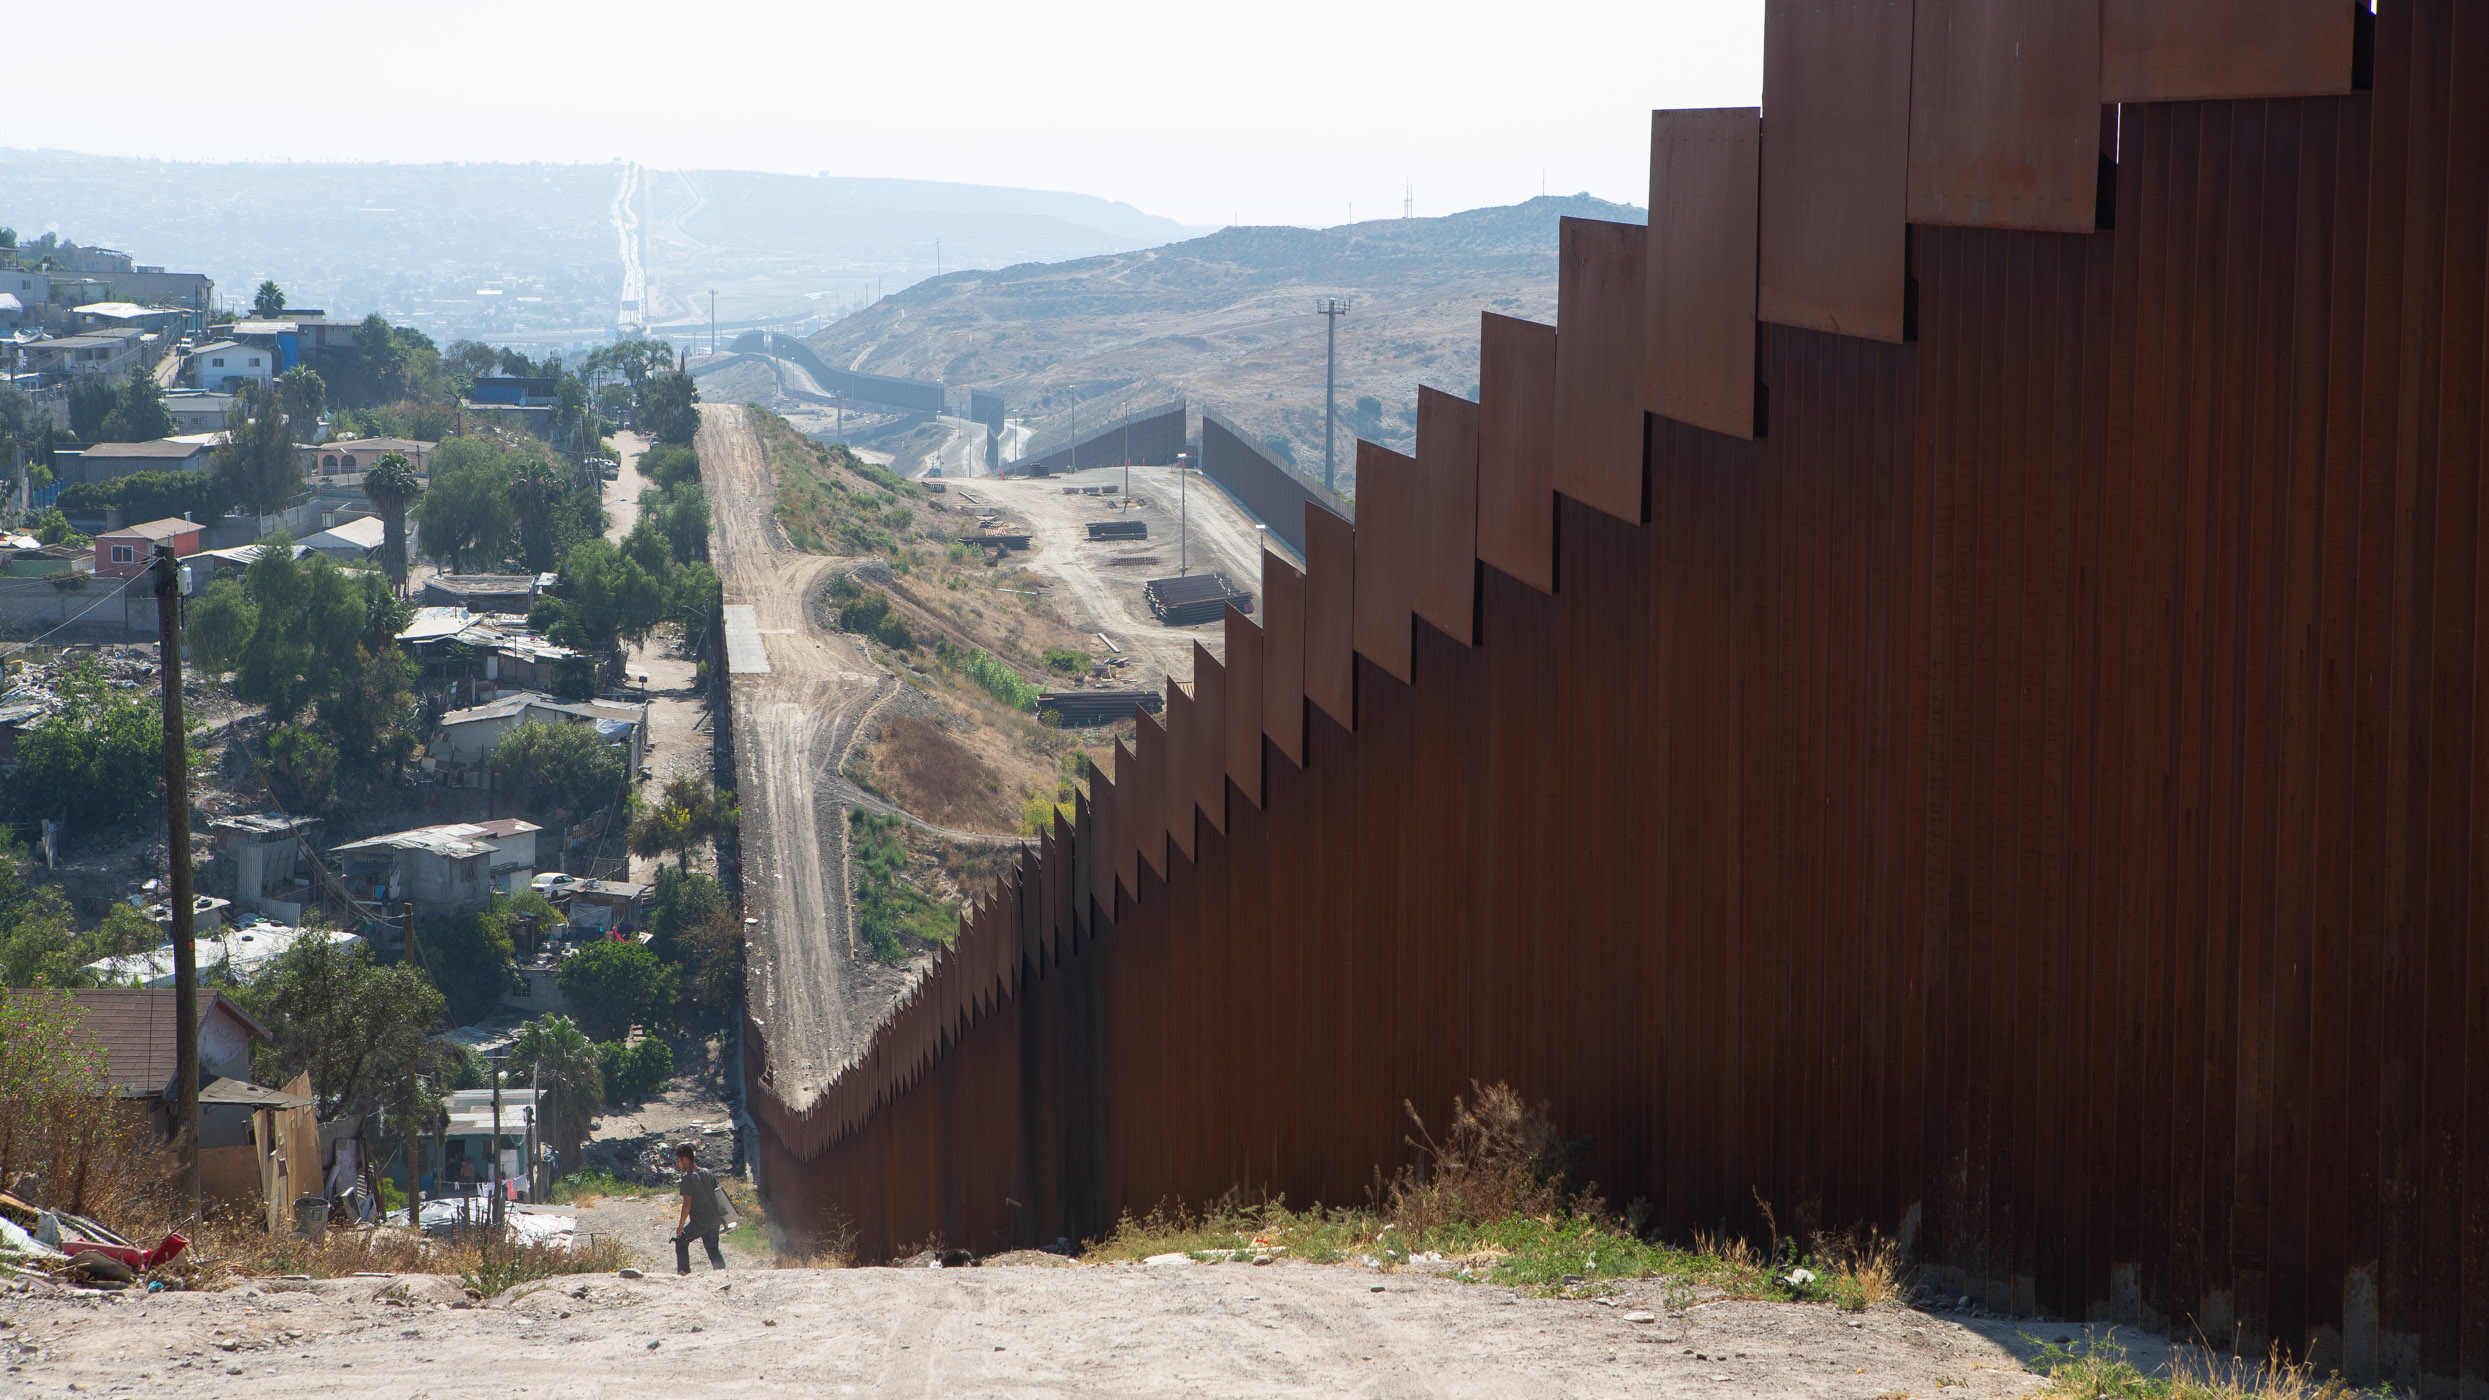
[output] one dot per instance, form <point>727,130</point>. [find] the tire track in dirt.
<point>814,999</point>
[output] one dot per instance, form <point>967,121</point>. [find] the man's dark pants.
<point>682,1250</point>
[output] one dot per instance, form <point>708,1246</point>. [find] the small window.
<point>254,362</point>
<point>218,362</point>
<point>124,554</point>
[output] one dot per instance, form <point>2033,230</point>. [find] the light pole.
<point>497,1062</point>
<point>1184,518</point>
<point>1331,309</point>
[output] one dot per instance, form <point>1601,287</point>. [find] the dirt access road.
<point>793,729</point>
<point>1104,1330</point>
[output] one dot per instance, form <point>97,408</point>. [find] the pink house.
<point>123,552</point>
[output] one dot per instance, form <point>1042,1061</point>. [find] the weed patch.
<point>2102,1370</point>
<point>893,915</point>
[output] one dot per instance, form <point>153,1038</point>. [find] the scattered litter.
<point>1641,1317</point>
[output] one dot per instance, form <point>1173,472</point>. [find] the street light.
<point>1183,530</point>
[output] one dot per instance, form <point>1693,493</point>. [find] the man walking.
<point>699,1215</point>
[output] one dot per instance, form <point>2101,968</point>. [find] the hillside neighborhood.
<point>455,896</point>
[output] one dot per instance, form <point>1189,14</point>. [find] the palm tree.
<point>393,486</point>
<point>562,1062</point>
<point>534,490</point>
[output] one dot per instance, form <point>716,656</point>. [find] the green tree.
<point>302,396</point>
<point>268,301</point>
<point>221,621</point>
<point>466,518</point>
<point>355,1026</point>
<point>555,766</point>
<point>613,986</point>
<point>467,956</point>
<point>138,412</point>
<point>380,355</point>
<point>143,496</point>
<point>679,901</point>
<point>95,760</point>
<point>682,516</point>
<point>326,636</point>
<point>302,768</point>
<point>554,1055</point>
<point>667,409</point>
<point>92,398</point>
<point>607,597</point>
<point>392,486</point>
<point>45,1067</point>
<point>690,814</point>
<point>669,466</point>
<point>634,1072</point>
<point>533,489</point>
<point>258,459</point>
<point>710,954</point>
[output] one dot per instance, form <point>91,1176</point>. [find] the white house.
<point>468,735</point>
<point>444,869</point>
<point>219,365</point>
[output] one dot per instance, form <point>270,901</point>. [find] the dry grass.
<point>1500,1198</point>
<point>2101,1370</point>
<point>235,1246</point>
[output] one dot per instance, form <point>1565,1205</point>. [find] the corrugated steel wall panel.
<point>1516,449</point>
<point>1387,557</point>
<point>2029,799</point>
<point>1331,615</point>
<point>1699,267</point>
<point>2005,114</point>
<point>1598,423</point>
<point>1283,657</point>
<point>1836,165</point>
<point>1444,576</point>
<point>2154,51</point>
<point>1242,750</point>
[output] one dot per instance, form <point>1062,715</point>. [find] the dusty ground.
<point>814,997</point>
<point>1094,593</point>
<point>1120,1330</point>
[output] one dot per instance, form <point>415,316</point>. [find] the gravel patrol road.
<point>793,728</point>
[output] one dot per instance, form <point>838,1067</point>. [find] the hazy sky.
<point>1272,111</point>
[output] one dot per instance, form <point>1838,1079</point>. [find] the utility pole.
<point>1331,309</point>
<point>497,1063</point>
<point>712,320</point>
<point>1184,516</point>
<point>177,854</point>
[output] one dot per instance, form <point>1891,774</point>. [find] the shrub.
<point>96,759</point>
<point>1067,661</point>
<point>892,914</point>
<point>1000,680</point>
<point>611,986</point>
<point>681,899</point>
<point>302,768</point>
<point>670,465</point>
<point>551,766</point>
<point>636,1072</point>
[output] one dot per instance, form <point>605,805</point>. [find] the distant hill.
<point>1228,319</point>
<point>534,252</point>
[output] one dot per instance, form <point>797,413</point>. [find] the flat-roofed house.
<point>123,552</point>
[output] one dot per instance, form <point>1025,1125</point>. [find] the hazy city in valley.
<point>1742,699</point>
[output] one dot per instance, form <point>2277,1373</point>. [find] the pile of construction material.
<point>1190,599</point>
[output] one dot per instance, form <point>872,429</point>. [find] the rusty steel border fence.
<point>2019,782</point>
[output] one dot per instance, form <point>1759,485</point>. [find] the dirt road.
<point>1120,1330</point>
<point>1095,594</point>
<point>814,998</point>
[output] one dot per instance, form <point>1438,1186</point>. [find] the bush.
<point>1067,661</point>
<point>468,958</point>
<point>681,899</point>
<point>95,760</point>
<point>634,1073</point>
<point>302,768</point>
<point>670,465</point>
<point>550,766</point>
<point>893,915</point>
<point>1000,680</point>
<point>612,986</point>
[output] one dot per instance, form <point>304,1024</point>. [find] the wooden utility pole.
<point>177,853</point>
